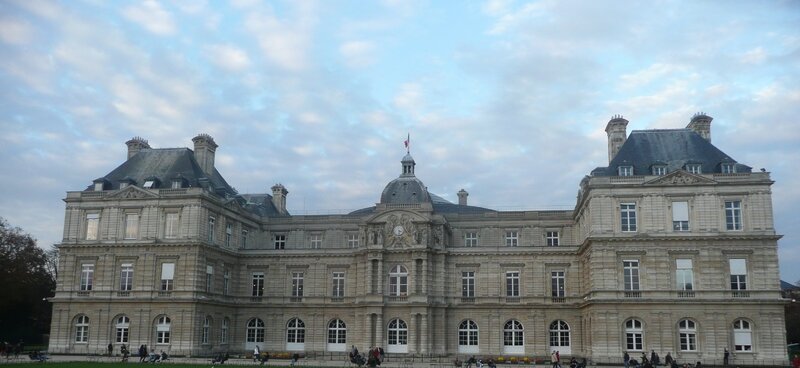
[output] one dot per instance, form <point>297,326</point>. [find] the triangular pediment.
<point>133,192</point>
<point>233,204</point>
<point>681,177</point>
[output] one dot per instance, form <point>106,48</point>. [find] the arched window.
<point>742,335</point>
<point>559,337</point>
<point>295,334</point>
<point>296,331</point>
<point>255,330</point>
<point>206,329</point>
<point>337,332</point>
<point>123,327</point>
<point>633,335</point>
<point>468,337</point>
<point>398,336</point>
<point>687,335</point>
<point>398,281</point>
<point>82,329</point>
<point>337,335</point>
<point>162,330</point>
<point>223,334</point>
<point>513,337</point>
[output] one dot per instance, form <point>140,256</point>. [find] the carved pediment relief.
<point>132,192</point>
<point>400,229</point>
<point>233,204</point>
<point>681,177</point>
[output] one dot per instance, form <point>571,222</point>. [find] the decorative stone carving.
<point>399,231</point>
<point>680,178</point>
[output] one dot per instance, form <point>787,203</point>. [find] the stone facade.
<point>192,269</point>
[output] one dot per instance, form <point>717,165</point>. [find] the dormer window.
<point>694,168</point>
<point>177,184</point>
<point>659,170</point>
<point>728,168</point>
<point>123,185</point>
<point>101,184</point>
<point>148,184</point>
<point>98,187</point>
<point>625,171</point>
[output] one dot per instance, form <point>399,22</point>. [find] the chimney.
<point>204,148</point>
<point>279,193</point>
<point>462,197</point>
<point>617,133</point>
<point>701,124</point>
<point>135,145</point>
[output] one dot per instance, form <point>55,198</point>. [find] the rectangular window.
<point>631,274</point>
<point>338,285</point>
<point>738,273</point>
<point>131,225</point>
<point>297,284</point>
<point>228,234</point>
<point>352,240</point>
<point>280,241</point>
<point>626,171</point>
<point>92,225</point>
<point>209,278</point>
<point>628,216</point>
<point>471,239</point>
<point>211,222</point>
<point>126,277</point>
<point>148,184</point>
<point>512,284</point>
<point>659,170</point>
<point>684,274</point>
<point>223,336</point>
<point>733,215</point>
<point>551,238</point>
<point>728,168</point>
<point>167,274</point>
<point>557,281</point>
<point>680,216</point>
<point>468,284</point>
<point>244,238</point>
<point>171,225</point>
<point>226,282</point>
<point>87,276</point>
<point>258,284</point>
<point>316,241</point>
<point>176,184</point>
<point>512,239</point>
<point>694,168</point>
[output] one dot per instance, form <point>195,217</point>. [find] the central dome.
<point>407,188</point>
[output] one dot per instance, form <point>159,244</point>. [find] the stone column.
<point>414,277</point>
<point>424,334</point>
<point>381,279</point>
<point>368,330</point>
<point>370,278</point>
<point>378,330</point>
<point>425,276</point>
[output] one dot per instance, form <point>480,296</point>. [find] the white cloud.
<point>228,57</point>
<point>357,54</point>
<point>15,31</point>
<point>151,16</point>
<point>754,56</point>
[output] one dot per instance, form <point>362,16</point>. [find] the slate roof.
<point>440,205</point>
<point>672,147</point>
<point>166,164</point>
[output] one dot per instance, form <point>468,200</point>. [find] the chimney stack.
<point>279,193</point>
<point>462,197</point>
<point>701,124</point>
<point>204,149</point>
<point>617,133</point>
<point>135,145</point>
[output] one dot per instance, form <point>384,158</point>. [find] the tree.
<point>26,281</point>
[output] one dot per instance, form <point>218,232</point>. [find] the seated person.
<point>491,363</point>
<point>154,357</point>
<point>471,361</point>
<point>457,363</point>
<point>164,356</point>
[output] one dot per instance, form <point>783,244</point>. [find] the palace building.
<point>670,247</point>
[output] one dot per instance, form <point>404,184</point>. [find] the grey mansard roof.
<point>671,147</point>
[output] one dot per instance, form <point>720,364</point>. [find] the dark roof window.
<point>151,183</point>
<point>625,170</point>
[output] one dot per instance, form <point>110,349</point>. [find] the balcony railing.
<point>633,294</point>
<point>740,294</point>
<point>686,294</point>
<point>337,299</point>
<point>397,298</point>
<point>256,299</point>
<point>559,299</point>
<point>296,299</point>
<point>164,294</point>
<point>468,299</point>
<point>84,293</point>
<point>123,294</point>
<point>512,299</point>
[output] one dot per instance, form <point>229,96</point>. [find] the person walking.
<point>626,359</point>
<point>110,349</point>
<point>554,359</point>
<point>256,353</point>
<point>726,355</point>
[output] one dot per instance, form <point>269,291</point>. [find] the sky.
<point>506,99</point>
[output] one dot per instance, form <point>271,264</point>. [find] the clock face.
<point>398,230</point>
